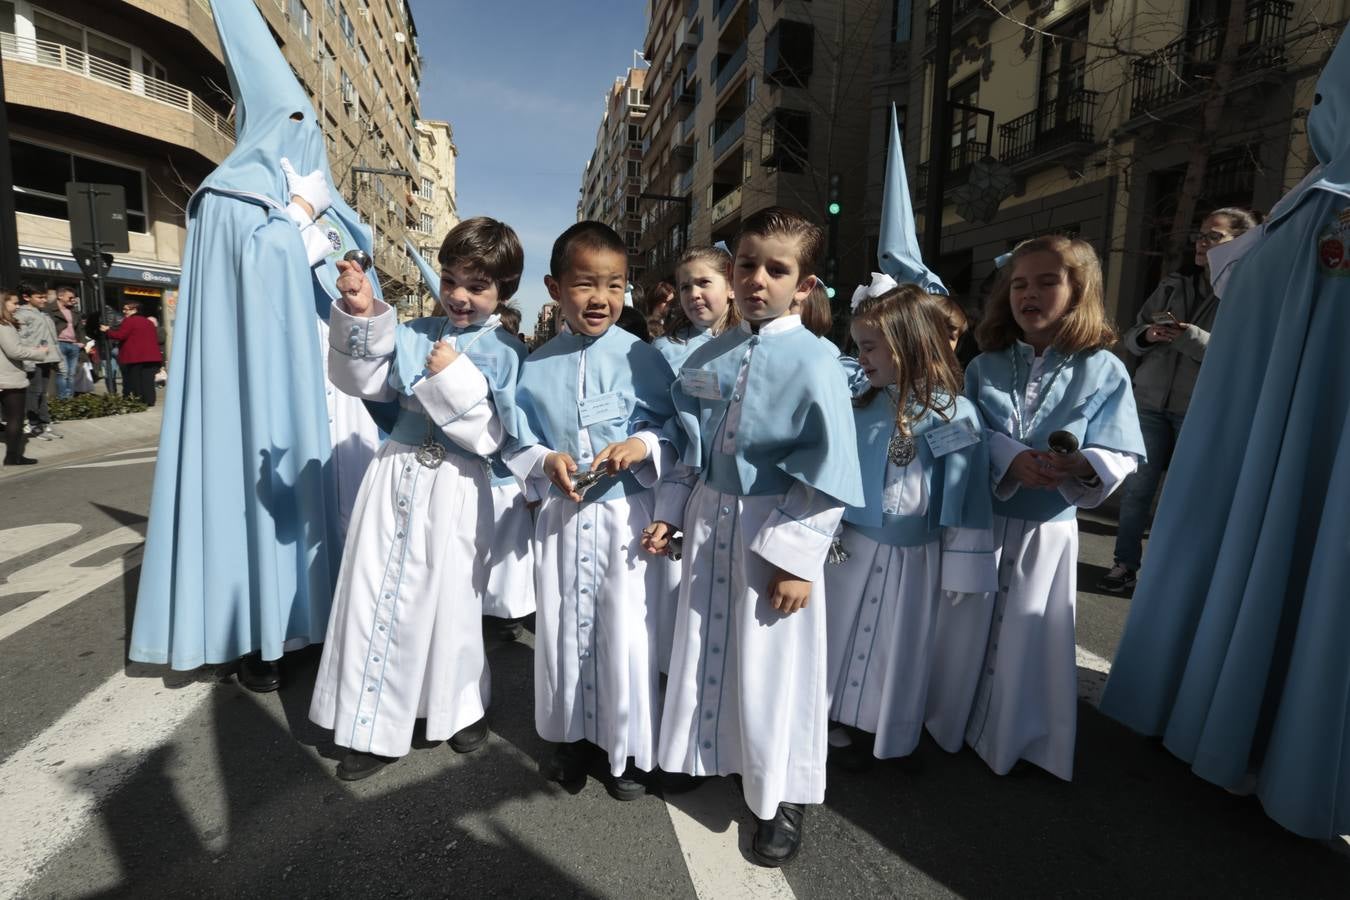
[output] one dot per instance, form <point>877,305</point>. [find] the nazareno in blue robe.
<point>1235,648</point>
<point>242,549</point>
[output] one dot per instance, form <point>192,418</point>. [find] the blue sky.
<point>522,82</point>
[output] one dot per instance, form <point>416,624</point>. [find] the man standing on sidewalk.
<point>35,329</point>
<point>70,338</point>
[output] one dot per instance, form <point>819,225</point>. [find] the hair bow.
<point>880,284</point>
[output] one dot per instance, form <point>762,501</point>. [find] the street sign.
<point>93,265</point>
<point>98,216</point>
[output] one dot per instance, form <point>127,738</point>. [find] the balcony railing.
<point>960,159</point>
<point>730,68</point>
<point>1171,74</point>
<point>726,134</point>
<point>58,56</point>
<point>1058,123</point>
<point>727,205</point>
<point>724,10</point>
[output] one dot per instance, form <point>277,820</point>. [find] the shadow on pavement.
<point>1133,823</point>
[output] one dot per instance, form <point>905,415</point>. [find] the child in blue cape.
<point>405,638</point>
<point>919,542</point>
<point>768,463</point>
<point>594,398</point>
<point>703,303</point>
<point>1046,377</point>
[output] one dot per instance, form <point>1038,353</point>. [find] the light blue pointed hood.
<point>266,96</point>
<point>898,252</point>
<point>1328,129</point>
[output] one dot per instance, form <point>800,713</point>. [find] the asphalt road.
<point>130,780</point>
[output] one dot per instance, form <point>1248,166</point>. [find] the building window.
<point>901,17</point>
<point>630,204</point>
<point>634,239</point>
<point>428,223</point>
<point>347,28</point>
<point>788,53</point>
<point>965,98</point>
<point>41,173</point>
<point>785,139</point>
<point>1063,60</point>
<point>428,191</point>
<point>634,168</point>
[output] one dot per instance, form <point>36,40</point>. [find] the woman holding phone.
<point>1169,337</point>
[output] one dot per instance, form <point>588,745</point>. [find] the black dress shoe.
<point>678,782</point>
<point>626,786</point>
<point>777,840</point>
<point>496,628</point>
<point>357,765</point>
<point>470,737</point>
<point>20,461</point>
<point>262,676</point>
<point>569,762</point>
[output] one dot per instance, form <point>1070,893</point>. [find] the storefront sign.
<point>53,263</point>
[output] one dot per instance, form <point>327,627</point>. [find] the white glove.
<point>312,188</point>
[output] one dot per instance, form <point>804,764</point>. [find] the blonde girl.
<point>704,310</point>
<point>1046,379</point>
<point>920,540</point>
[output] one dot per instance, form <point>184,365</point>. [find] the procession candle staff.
<point>259,456</point>
<point>1234,651</point>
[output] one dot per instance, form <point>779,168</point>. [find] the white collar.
<point>781,324</point>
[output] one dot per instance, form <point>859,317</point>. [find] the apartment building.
<point>1091,115</point>
<point>755,103</point>
<point>135,93</point>
<point>437,209</point>
<point>611,182</point>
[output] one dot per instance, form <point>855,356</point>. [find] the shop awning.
<point>56,263</point>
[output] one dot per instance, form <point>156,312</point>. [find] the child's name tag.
<point>700,383</point>
<point>602,408</point>
<point>950,437</point>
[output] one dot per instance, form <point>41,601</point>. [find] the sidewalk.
<point>91,438</point>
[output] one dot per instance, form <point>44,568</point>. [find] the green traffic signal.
<point>834,209</point>
<point>829,292</point>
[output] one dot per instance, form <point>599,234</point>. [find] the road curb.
<point>82,438</point>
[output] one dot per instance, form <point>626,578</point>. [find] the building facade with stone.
<point>436,205</point>
<point>612,180</point>
<point>754,104</point>
<point>1094,114</point>
<point>135,93</point>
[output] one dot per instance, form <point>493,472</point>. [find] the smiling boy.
<point>594,397</point>
<point>768,462</point>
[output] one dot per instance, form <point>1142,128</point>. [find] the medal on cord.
<point>431,452</point>
<point>901,450</point>
<point>1022,426</point>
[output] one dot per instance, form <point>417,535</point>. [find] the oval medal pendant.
<point>430,454</point>
<point>901,450</point>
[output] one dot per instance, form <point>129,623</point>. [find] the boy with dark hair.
<point>594,397</point>
<point>404,640</point>
<point>764,429</point>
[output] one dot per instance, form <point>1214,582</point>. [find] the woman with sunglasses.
<point>1169,337</point>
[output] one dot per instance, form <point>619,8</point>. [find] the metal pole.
<point>99,301</point>
<point>939,136</point>
<point>9,235</point>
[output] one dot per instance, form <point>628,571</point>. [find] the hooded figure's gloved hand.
<point>312,188</point>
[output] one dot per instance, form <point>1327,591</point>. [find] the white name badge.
<point>950,437</point>
<point>602,408</point>
<point>700,383</point>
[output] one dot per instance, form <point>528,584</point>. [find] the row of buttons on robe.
<point>355,347</point>
<point>718,627</point>
<point>384,609</point>
<point>980,709</point>
<point>866,627</point>
<point>733,416</point>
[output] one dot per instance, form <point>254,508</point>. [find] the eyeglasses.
<point>1210,237</point>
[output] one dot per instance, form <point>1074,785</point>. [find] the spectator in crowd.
<point>36,329</point>
<point>65,313</point>
<point>138,352</point>
<point>106,350</point>
<point>633,322</point>
<point>657,303</point>
<point>14,379</point>
<point>1169,337</point>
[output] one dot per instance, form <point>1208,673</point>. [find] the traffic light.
<point>834,207</point>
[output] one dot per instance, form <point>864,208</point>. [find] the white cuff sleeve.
<point>360,351</point>
<point>1111,468</point>
<point>1002,451</point>
<point>648,472</point>
<point>456,400</point>
<point>968,565</point>
<point>796,537</point>
<point>317,247</point>
<point>528,467</point>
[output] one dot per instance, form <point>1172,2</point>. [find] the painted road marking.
<point>151,449</point>
<point>15,542</point>
<point>717,866</point>
<point>51,786</point>
<point>60,580</point>
<point>1092,680</point>
<point>111,463</point>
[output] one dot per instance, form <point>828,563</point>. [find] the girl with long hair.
<point>704,310</point>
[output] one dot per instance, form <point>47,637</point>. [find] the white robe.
<point>882,605</point>
<point>354,436</point>
<point>509,593</point>
<point>1026,692</point>
<point>747,688</point>
<point>404,639</point>
<point>598,596</point>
